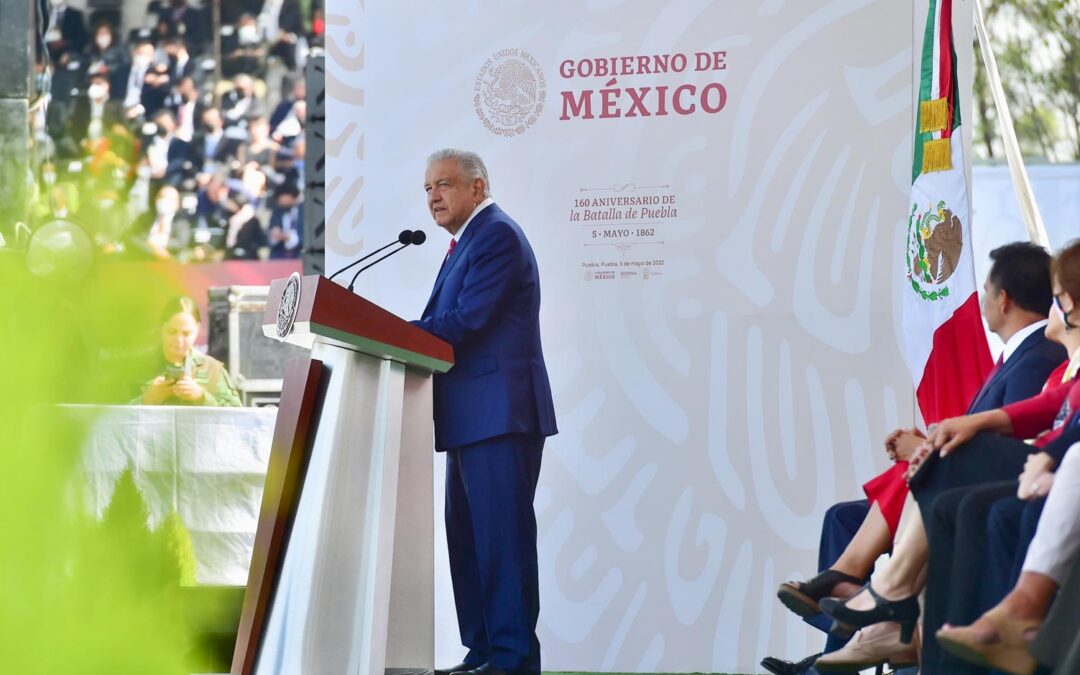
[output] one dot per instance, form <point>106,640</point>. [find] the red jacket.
<point>1043,417</point>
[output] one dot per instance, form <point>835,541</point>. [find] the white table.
<point>207,464</point>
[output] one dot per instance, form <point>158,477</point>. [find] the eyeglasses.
<point>1064,314</point>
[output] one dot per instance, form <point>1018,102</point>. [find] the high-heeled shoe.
<point>1009,653</point>
<point>802,597</point>
<point>905,612</point>
<point>868,651</point>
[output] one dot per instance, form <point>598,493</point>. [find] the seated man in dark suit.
<point>187,109</point>
<point>493,411</point>
<point>166,153</point>
<point>93,117</point>
<point>286,223</point>
<point>129,83</point>
<point>181,62</point>
<point>240,103</point>
<point>213,145</point>
<point>162,232</point>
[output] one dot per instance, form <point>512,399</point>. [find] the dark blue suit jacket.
<point>1022,376</point>
<point>486,303</point>
<point>277,219</point>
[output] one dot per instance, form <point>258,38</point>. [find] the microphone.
<point>404,237</point>
<point>416,238</point>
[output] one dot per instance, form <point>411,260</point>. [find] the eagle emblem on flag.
<point>934,243</point>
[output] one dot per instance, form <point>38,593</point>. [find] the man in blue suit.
<point>493,411</point>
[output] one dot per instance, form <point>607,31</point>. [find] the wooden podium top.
<point>329,313</point>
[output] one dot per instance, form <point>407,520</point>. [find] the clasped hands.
<point>902,443</point>
<point>943,437</point>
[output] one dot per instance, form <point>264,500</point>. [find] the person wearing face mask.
<point>105,53</point>
<point>166,154</point>
<point>181,63</point>
<point>94,114</point>
<point>188,376</point>
<point>245,50</point>
<point>211,146</point>
<point>260,148</point>
<point>240,102</point>
<point>157,89</point>
<point>163,232</point>
<point>134,77</point>
<point>247,33</point>
<point>187,108</point>
<point>246,237</point>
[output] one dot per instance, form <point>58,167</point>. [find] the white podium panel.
<point>360,553</point>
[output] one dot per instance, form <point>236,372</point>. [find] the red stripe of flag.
<point>958,364</point>
<point>945,64</point>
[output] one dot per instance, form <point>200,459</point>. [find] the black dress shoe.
<point>905,612</point>
<point>452,670</point>
<point>781,667</point>
<point>488,669</point>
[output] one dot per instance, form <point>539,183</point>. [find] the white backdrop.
<point>724,363</point>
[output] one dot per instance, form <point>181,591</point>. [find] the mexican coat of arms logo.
<point>935,240</point>
<point>509,92</point>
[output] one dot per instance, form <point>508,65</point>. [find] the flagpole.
<point>215,20</point>
<point>1029,208</point>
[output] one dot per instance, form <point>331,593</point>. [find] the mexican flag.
<point>944,342</point>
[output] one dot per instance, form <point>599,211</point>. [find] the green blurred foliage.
<point>78,596</point>
<point>1037,47</point>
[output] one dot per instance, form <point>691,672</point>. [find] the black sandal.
<point>905,612</point>
<point>802,597</point>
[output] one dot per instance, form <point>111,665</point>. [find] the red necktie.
<point>453,243</point>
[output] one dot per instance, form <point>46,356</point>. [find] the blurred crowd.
<point>173,140</point>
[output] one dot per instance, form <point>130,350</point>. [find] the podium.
<point>342,574</point>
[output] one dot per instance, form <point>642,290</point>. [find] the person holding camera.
<point>190,377</point>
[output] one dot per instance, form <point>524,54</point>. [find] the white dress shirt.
<point>1018,338</point>
<point>185,114</point>
<point>479,207</point>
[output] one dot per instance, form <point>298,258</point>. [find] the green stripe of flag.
<point>926,79</point>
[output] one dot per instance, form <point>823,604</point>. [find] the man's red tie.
<point>453,243</point>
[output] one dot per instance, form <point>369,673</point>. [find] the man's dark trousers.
<point>956,533</point>
<point>491,537</point>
